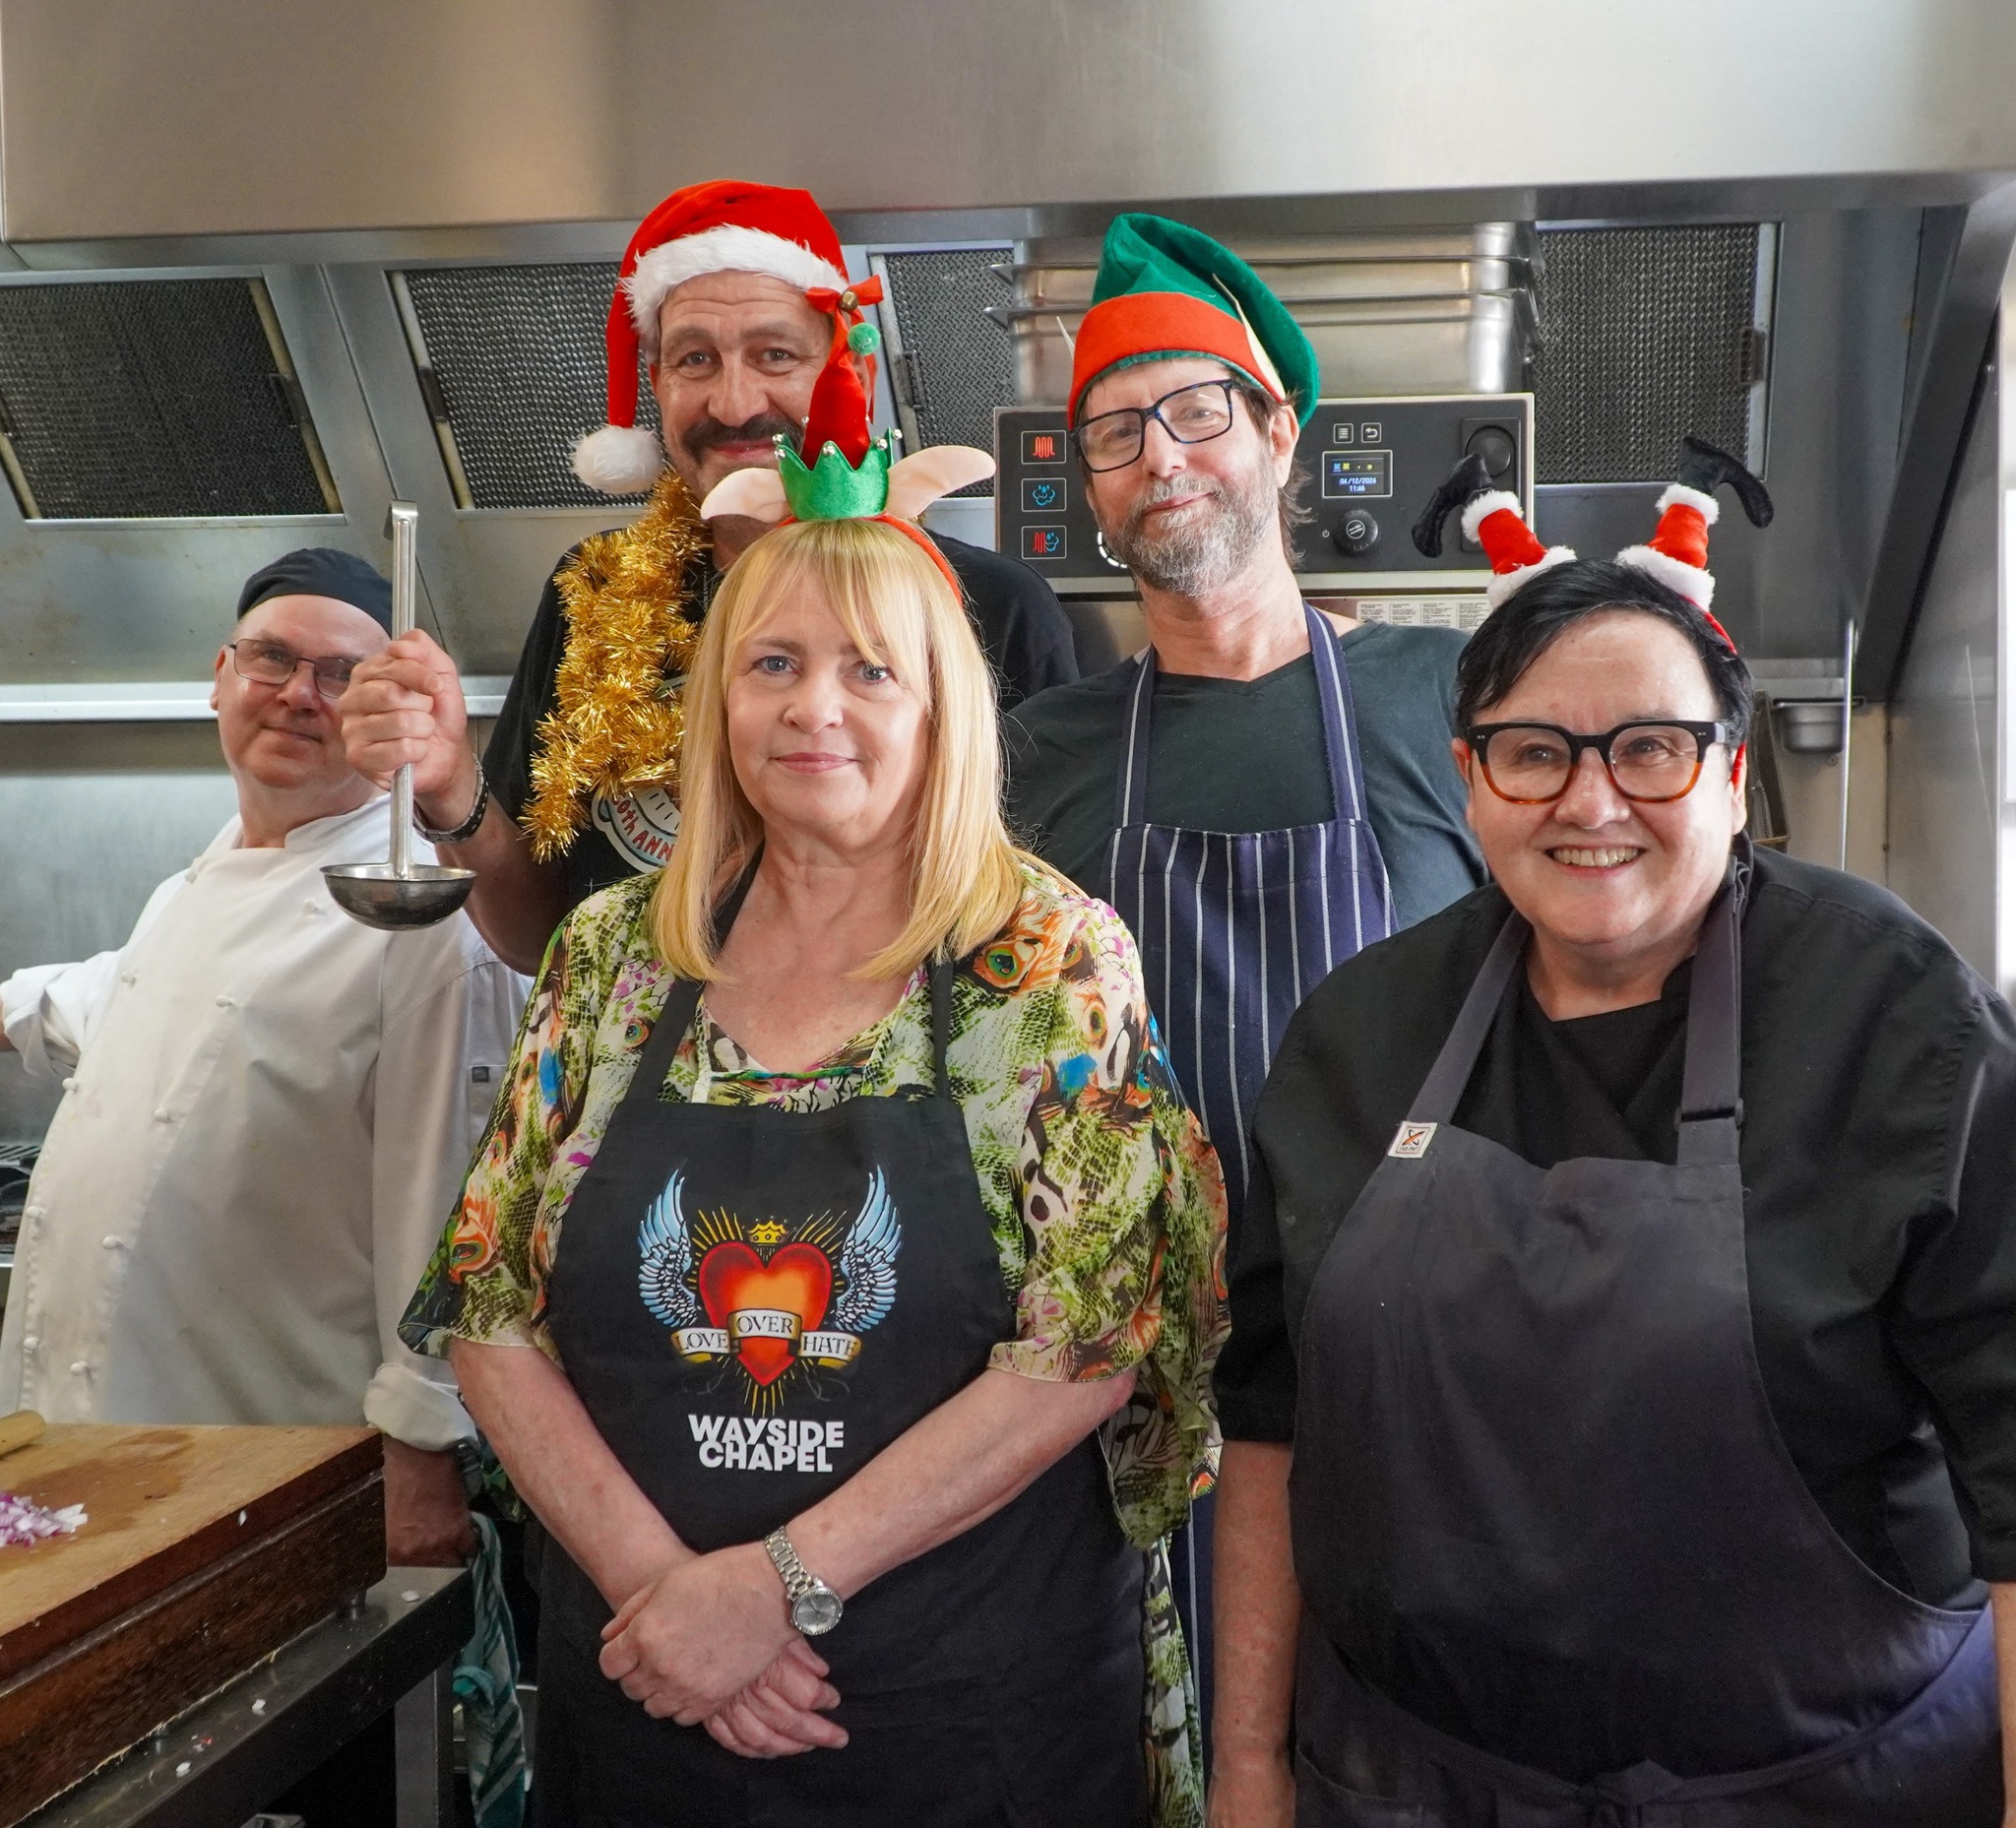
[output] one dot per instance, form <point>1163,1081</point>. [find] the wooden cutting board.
<point>206,1549</point>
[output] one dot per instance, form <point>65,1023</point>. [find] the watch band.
<point>814,1606</point>
<point>797,1582</point>
<point>468,829</point>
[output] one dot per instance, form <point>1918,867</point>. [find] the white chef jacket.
<point>268,1112</point>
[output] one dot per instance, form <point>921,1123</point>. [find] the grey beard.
<point>1194,560</point>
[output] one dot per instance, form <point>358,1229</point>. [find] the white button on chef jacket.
<point>246,1258</point>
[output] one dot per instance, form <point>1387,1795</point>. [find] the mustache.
<point>1167,489</point>
<point>709,433</point>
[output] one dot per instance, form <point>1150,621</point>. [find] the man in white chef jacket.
<point>267,1108</point>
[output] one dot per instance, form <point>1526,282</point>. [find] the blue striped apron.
<point>1234,929</point>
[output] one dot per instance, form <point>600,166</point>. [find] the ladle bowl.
<point>376,895</point>
<point>399,894</point>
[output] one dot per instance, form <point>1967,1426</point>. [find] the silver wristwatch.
<point>816,1607</point>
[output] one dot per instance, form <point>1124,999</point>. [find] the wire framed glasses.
<point>273,663</point>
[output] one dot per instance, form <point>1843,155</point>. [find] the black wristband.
<point>469,828</point>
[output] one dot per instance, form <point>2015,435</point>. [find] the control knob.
<point>1355,534</point>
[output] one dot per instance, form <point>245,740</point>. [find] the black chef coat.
<point>1879,1163</point>
<point>1020,622</point>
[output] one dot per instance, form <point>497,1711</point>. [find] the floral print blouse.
<point>1106,1203</point>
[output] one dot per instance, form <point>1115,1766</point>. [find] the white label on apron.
<point>1410,1141</point>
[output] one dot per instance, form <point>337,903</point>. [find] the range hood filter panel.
<point>952,363</point>
<point>518,357</point>
<point>1646,335</point>
<point>154,397</point>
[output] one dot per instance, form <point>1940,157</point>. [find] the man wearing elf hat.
<point>729,293</point>
<point>1267,789</point>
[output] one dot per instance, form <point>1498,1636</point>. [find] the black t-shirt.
<point>1020,622</point>
<point>1879,1165</point>
<point>1246,755</point>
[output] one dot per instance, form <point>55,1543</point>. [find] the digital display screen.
<point>1350,475</point>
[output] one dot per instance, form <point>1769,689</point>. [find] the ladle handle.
<point>405,521</point>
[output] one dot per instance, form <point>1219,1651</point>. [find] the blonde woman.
<point>871,1261</point>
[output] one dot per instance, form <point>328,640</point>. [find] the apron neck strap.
<point>681,1000</point>
<point>1711,1103</point>
<point>941,1022</point>
<point>1133,806</point>
<point>1340,726</point>
<point>1436,1101</point>
<point>682,1003</point>
<point>1710,1108</point>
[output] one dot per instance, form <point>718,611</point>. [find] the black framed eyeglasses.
<point>1531,764</point>
<point>273,663</point>
<point>1193,414</point>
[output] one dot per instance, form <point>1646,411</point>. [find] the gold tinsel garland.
<point>615,724</point>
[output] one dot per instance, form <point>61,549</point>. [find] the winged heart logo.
<point>777,1298</point>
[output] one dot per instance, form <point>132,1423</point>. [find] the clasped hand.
<point>711,1640</point>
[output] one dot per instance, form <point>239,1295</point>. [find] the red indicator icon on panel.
<point>1043,447</point>
<point>1042,543</point>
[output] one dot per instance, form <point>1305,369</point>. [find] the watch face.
<point>816,1611</point>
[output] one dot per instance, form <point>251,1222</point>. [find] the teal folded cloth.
<point>486,1684</point>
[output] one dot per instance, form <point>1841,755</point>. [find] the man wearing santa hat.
<point>727,293</point>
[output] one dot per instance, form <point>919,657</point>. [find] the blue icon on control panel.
<point>1042,543</point>
<point>1042,494</point>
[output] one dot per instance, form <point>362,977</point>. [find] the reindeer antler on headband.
<point>1492,518</point>
<point>1678,554</point>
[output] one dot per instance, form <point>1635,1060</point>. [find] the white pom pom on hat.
<point>619,459</point>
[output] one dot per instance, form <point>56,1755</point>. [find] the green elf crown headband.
<point>838,471</point>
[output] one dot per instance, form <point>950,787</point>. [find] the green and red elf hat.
<point>1167,290</point>
<point>838,471</point>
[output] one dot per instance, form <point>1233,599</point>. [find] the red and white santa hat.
<point>721,226</point>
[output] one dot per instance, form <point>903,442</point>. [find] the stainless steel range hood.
<point>129,120</point>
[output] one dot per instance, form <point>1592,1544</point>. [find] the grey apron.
<point>1538,1498</point>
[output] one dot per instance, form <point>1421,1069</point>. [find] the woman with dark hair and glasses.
<point>1627,1271</point>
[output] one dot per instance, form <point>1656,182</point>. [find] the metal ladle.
<point>401,894</point>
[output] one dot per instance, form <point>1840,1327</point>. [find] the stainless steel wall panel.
<point>95,817</point>
<point>1946,801</point>
<point>1950,334</point>
<point>128,118</point>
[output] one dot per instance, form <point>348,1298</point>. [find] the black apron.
<point>1538,1498</point>
<point>1234,929</point>
<point>752,1305</point>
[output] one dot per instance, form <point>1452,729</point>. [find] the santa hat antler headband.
<point>1494,518</point>
<point>838,471</point>
<point>1678,554</point>
<point>723,226</point>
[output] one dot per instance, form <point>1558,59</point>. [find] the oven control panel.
<point>1366,469</point>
